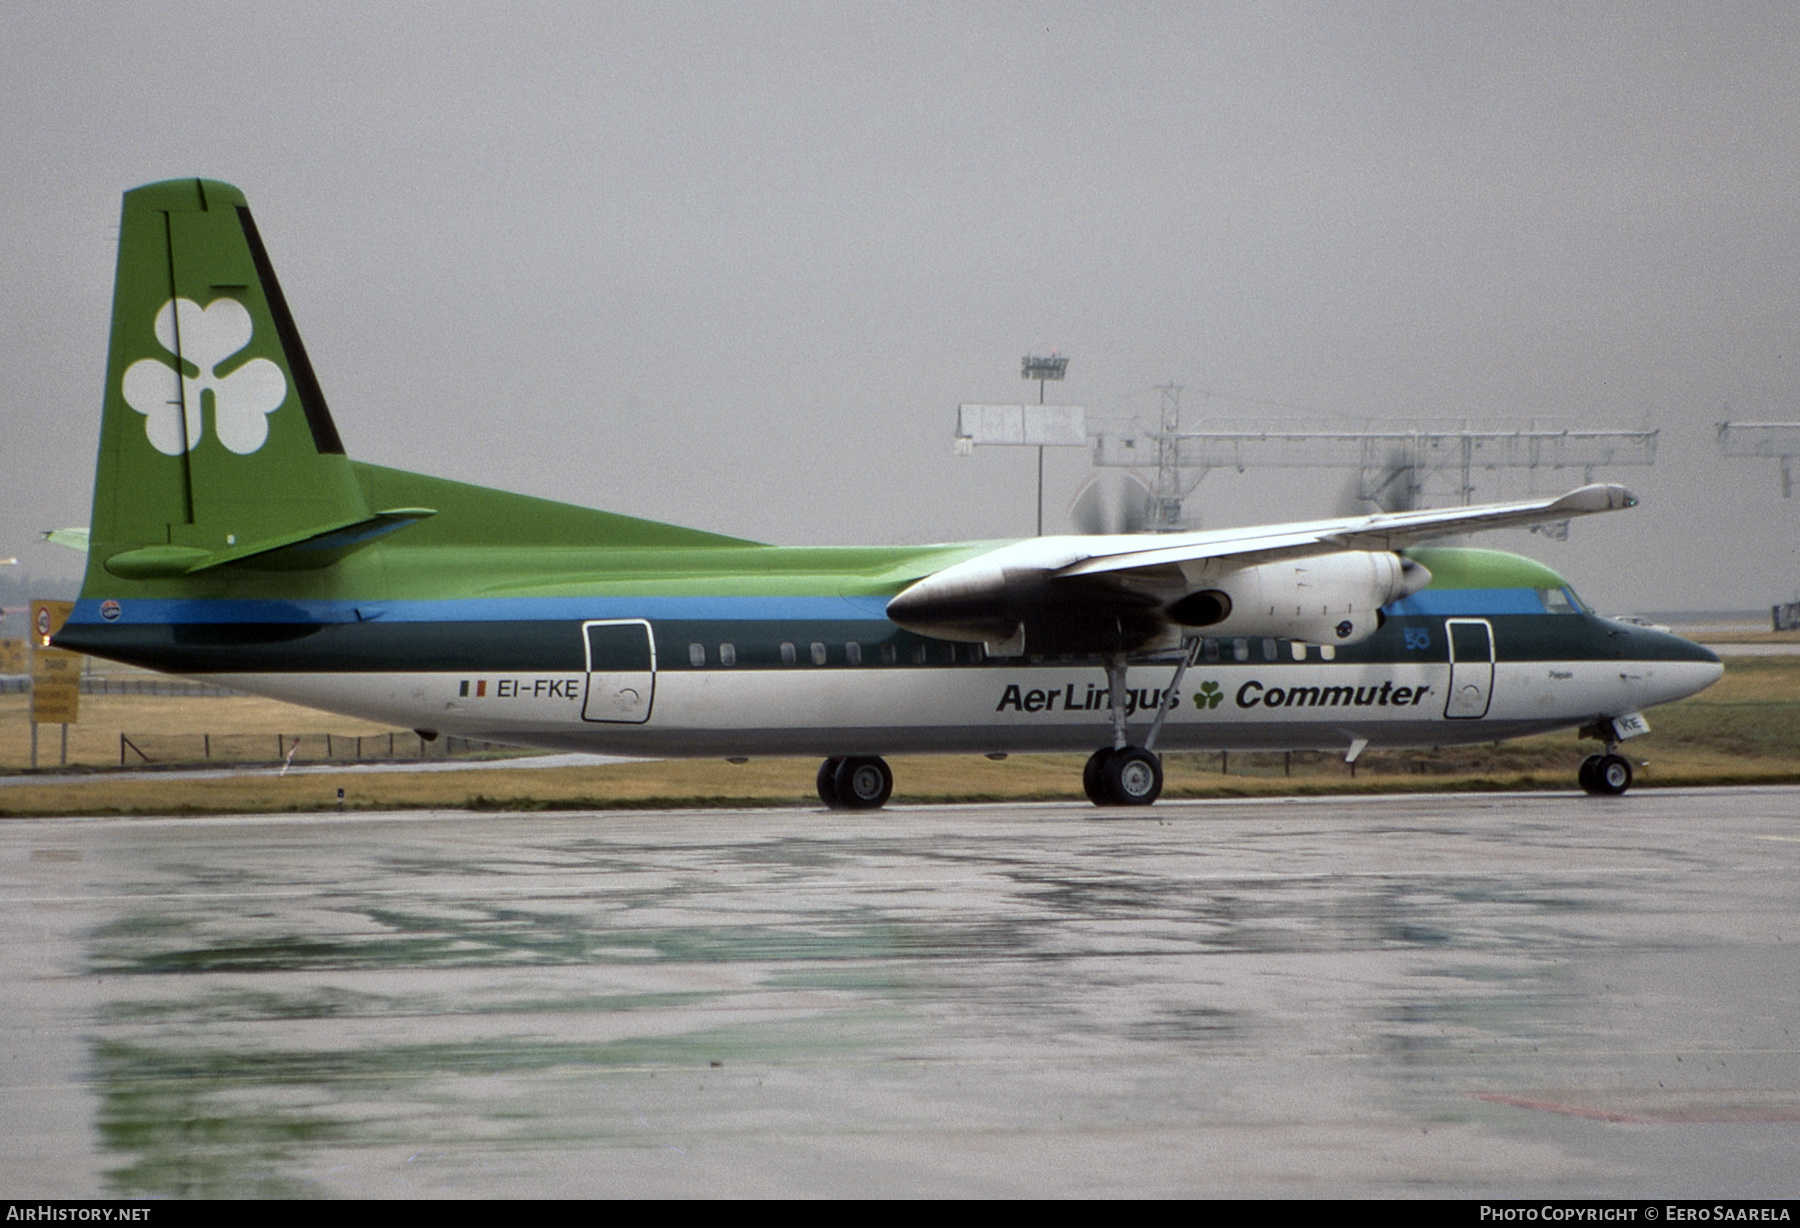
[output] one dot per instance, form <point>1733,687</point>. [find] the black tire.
<point>1091,777</point>
<point>863,782</point>
<point>1133,777</point>
<point>1585,774</point>
<point>1612,775</point>
<point>827,783</point>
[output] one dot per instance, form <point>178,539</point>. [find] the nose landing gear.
<point>1609,774</point>
<point>1606,775</point>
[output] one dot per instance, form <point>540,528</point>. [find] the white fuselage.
<point>1253,705</point>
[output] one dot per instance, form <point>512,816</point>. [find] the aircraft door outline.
<point>621,670</point>
<point>1471,643</point>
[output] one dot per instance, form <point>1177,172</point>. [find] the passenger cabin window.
<point>1210,650</point>
<point>918,653</point>
<point>727,654</point>
<point>853,653</point>
<point>1269,650</point>
<point>818,653</point>
<point>1297,649</point>
<point>696,655</point>
<point>788,655</point>
<point>888,655</point>
<point>1240,649</point>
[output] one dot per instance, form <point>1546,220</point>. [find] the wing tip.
<point>1596,497</point>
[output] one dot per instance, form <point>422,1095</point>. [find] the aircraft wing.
<point>1380,531</point>
<point>1321,581</point>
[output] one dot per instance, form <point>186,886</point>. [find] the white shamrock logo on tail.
<point>242,400</point>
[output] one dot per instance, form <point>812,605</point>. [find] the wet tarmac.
<point>1387,997</point>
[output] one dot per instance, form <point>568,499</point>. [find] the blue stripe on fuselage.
<point>1451,602</point>
<point>1437,603</point>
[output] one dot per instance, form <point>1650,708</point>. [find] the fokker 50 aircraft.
<point>233,539</point>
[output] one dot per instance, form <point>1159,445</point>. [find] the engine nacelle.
<point>1013,600</point>
<point>1325,599</point>
<point>1009,599</point>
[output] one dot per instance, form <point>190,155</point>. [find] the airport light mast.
<point>1041,369</point>
<point>1040,426</point>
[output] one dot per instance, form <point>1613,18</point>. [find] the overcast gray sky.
<point>735,265</point>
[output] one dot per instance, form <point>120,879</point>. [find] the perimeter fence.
<point>152,684</point>
<point>127,684</point>
<point>186,749</point>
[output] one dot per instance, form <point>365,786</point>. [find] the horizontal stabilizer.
<point>305,551</point>
<point>74,539</point>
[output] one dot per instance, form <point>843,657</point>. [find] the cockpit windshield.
<point>1561,601</point>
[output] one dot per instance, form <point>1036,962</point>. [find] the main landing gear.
<point>1116,775</point>
<point>1122,774</point>
<point>855,782</point>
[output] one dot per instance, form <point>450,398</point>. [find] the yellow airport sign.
<point>55,687</point>
<point>12,656</point>
<point>47,618</point>
<point>55,673</point>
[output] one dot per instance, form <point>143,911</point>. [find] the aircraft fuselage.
<point>688,675</point>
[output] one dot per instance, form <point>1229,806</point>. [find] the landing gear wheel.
<point>1091,782</point>
<point>1585,774</point>
<point>1132,776</point>
<point>863,782</point>
<point>1612,775</point>
<point>827,783</point>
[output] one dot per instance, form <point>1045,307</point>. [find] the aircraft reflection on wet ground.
<point>1380,996</point>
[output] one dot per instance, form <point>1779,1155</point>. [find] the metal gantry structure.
<point>1397,468</point>
<point>1416,466</point>
<point>1780,440</point>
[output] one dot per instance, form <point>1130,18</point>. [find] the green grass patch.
<point>1745,730</point>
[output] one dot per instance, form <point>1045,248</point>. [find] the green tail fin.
<point>216,446</point>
